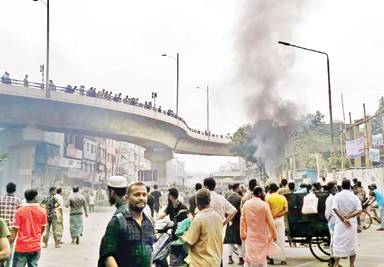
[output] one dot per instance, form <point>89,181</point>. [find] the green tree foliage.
<point>310,139</point>
<point>4,157</point>
<point>376,122</point>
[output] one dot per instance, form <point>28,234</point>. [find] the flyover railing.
<point>91,92</point>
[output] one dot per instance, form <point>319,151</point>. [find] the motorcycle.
<point>164,239</point>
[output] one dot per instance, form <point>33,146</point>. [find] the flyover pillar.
<point>159,159</point>
<point>20,145</point>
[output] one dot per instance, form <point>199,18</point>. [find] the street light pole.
<point>177,81</point>
<point>47,90</point>
<point>207,107</point>
<point>329,85</point>
<point>177,87</point>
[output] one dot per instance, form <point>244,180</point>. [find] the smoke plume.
<point>262,62</point>
<point>262,65</point>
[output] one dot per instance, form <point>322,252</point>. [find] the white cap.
<point>117,182</point>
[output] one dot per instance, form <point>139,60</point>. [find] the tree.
<point>264,143</point>
<point>376,122</point>
<point>4,157</point>
<point>261,143</point>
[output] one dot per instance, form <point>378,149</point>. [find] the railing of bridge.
<point>91,92</point>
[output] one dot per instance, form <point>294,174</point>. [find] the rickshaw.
<point>311,229</point>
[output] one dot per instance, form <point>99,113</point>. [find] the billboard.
<point>355,148</point>
<point>72,152</point>
<point>70,163</point>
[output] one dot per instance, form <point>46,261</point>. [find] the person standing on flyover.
<point>129,236</point>
<point>77,202</point>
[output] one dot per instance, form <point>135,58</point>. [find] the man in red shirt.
<point>28,227</point>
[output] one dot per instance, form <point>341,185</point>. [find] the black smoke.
<point>262,62</point>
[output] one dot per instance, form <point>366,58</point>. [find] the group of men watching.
<point>23,223</point>
<point>212,222</point>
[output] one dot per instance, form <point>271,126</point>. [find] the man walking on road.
<point>279,207</point>
<point>8,206</point>
<point>28,227</point>
<point>76,202</point>
<point>256,223</point>
<point>51,205</point>
<point>157,195</point>
<point>346,206</point>
<point>129,236</point>
<point>205,235</point>
<point>59,215</point>
<point>92,203</point>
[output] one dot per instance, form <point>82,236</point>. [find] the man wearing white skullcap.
<point>117,188</point>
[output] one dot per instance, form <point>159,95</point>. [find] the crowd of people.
<point>249,220</point>
<point>24,222</point>
<point>103,94</point>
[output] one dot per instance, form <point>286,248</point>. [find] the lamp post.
<point>47,90</point>
<point>329,85</point>
<point>207,107</point>
<point>177,81</point>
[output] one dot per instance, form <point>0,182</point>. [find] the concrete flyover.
<point>25,112</point>
<point>72,113</point>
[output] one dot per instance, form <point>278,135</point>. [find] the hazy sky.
<point>230,46</point>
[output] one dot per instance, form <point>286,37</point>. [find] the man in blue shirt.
<point>378,196</point>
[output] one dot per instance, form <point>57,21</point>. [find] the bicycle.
<point>367,218</point>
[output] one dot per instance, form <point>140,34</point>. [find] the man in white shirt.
<point>346,206</point>
<point>218,203</point>
<point>92,204</point>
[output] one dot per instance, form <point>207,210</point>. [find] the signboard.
<point>374,154</point>
<point>377,140</point>
<point>355,148</point>
<point>70,163</point>
<point>76,173</point>
<point>72,152</point>
<point>53,161</point>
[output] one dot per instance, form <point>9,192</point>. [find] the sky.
<point>230,46</point>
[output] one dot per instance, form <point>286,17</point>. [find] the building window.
<point>91,149</point>
<point>87,146</point>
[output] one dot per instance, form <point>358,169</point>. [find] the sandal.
<point>283,263</point>
<point>57,246</point>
